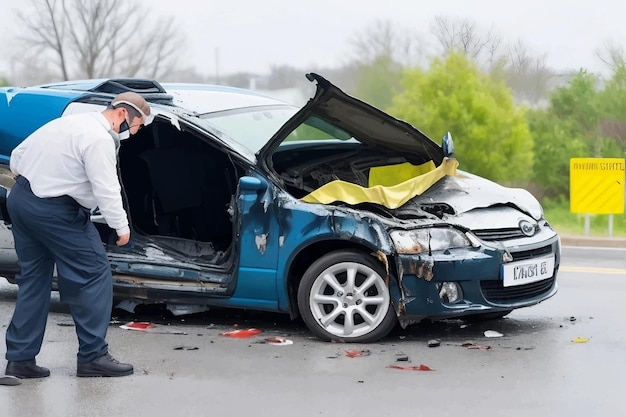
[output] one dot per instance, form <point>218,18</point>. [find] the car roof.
<point>193,97</point>
<point>204,98</point>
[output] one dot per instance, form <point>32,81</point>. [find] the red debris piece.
<point>278,340</point>
<point>137,325</point>
<point>479,347</point>
<point>411,368</point>
<point>242,333</point>
<point>357,353</point>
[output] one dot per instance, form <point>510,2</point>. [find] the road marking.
<point>584,269</point>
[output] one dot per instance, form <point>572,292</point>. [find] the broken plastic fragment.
<point>434,343</point>
<point>242,333</point>
<point>137,325</point>
<point>357,353</point>
<point>127,305</point>
<point>149,328</point>
<point>479,347</point>
<point>411,368</point>
<point>492,333</point>
<point>185,309</point>
<point>580,340</point>
<point>278,341</point>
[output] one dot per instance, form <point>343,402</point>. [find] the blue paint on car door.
<point>258,240</point>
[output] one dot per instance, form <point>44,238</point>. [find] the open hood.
<point>365,123</point>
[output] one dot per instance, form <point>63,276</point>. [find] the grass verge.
<point>567,223</point>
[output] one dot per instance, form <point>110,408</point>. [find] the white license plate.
<point>524,272</point>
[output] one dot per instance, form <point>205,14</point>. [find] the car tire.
<point>343,296</point>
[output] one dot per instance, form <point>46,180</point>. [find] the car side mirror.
<point>251,184</point>
<point>447,145</point>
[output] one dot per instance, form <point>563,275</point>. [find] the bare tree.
<point>44,33</point>
<point>462,35</point>
<point>612,55</point>
<point>526,74</point>
<point>384,39</point>
<point>104,38</point>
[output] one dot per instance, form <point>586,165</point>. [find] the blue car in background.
<point>335,212</point>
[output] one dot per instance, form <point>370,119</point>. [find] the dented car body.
<point>336,212</point>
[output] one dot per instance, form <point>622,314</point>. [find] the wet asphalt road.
<point>183,367</point>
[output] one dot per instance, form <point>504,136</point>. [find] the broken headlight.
<point>450,292</point>
<point>430,239</point>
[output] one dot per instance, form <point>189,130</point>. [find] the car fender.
<point>311,230</point>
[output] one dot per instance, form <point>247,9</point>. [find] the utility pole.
<point>217,65</point>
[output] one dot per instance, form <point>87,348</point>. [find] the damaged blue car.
<point>335,212</point>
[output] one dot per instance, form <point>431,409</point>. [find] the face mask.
<point>124,130</point>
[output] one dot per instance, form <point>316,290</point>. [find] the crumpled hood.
<point>465,192</point>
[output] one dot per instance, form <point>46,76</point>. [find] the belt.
<point>63,199</point>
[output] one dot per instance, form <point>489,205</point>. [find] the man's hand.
<point>122,240</point>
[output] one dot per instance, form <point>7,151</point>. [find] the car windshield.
<point>251,127</point>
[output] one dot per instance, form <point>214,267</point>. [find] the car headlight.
<point>450,292</point>
<point>429,239</point>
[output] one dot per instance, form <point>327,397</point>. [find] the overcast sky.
<point>252,35</point>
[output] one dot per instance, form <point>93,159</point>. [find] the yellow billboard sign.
<point>597,185</point>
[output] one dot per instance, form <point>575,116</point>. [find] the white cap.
<point>137,102</point>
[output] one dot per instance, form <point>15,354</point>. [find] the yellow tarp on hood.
<point>392,196</point>
<point>390,175</point>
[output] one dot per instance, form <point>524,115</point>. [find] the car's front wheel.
<point>343,297</point>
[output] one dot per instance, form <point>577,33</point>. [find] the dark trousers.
<point>49,231</point>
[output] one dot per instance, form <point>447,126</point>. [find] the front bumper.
<point>477,272</point>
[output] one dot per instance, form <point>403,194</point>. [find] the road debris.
<point>186,348</point>
<point>434,343</point>
<point>401,357</point>
<point>278,341</point>
<point>580,340</point>
<point>357,353</point>
<point>242,333</point>
<point>420,367</point>
<point>147,327</point>
<point>492,333</point>
<point>137,325</point>
<point>471,345</point>
<point>480,347</point>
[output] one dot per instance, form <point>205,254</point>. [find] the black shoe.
<point>104,366</point>
<point>26,369</point>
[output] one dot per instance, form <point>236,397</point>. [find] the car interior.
<point>178,190</point>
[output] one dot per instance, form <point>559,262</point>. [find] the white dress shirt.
<point>74,155</point>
